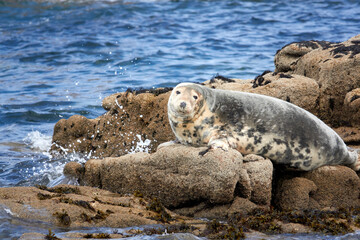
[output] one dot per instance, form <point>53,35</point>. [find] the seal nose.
<point>183,104</point>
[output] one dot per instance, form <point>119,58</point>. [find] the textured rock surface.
<point>260,171</point>
<point>70,206</point>
<point>334,66</point>
<point>134,122</point>
<point>180,177</point>
<point>325,187</point>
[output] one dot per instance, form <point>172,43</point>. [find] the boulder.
<point>294,193</point>
<point>260,173</point>
<point>334,66</point>
<point>286,58</point>
<point>350,135</point>
<point>297,89</point>
<point>323,188</point>
<point>134,122</point>
<point>183,176</point>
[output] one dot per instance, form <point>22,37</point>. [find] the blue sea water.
<point>59,58</point>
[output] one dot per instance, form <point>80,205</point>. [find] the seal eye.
<point>177,92</point>
<point>195,97</point>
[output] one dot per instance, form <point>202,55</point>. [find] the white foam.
<point>38,141</point>
<point>141,146</point>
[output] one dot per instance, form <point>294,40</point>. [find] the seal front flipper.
<point>219,143</point>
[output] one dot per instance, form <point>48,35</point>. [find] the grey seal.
<point>257,124</point>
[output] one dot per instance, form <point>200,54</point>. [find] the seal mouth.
<point>184,112</point>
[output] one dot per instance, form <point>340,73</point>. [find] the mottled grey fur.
<point>272,128</point>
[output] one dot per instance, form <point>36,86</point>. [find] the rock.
<point>74,134</point>
<point>134,122</point>
<point>177,175</point>
<point>350,135</point>
<point>293,228</point>
<point>337,186</point>
<point>73,169</point>
<point>297,89</point>
<point>325,187</point>
<point>32,236</point>
<point>260,173</point>
<point>75,206</point>
<point>294,193</point>
<point>287,57</point>
<point>334,66</point>
<point>241,206</point>
<point>138,121</point>
<point>185,181</point>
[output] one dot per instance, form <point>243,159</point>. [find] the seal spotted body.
<point>258,124</point>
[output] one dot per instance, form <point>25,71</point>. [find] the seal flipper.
<point>219,143</point>
<point>355,165</point>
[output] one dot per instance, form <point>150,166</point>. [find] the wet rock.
<point>325,187</point>
<point>73,169</point>
<point>293,227</point>
<point>75,206</point>
<point>134,122</point>
<point>241,206</point>
<point>74,133</point>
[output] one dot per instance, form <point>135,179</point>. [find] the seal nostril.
<point>182,104</point>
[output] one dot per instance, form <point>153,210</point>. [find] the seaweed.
<point>80,203</point>
<point>98,235</point>
<point>60,189</point>
<point>155,91</point>
<point>63,218</point>
<point>260,81</point>
<point>345,50</point>
<point>138,194</point>
<point>98,217</point>
<point>161,214</point>
<point>222,78</point>
<point>215,229</point>
<point>110,203</point>
<point>327,222</point>
<point>51,236</point>
<point>42,196</point>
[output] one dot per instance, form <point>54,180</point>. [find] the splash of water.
<point>141,146</point>
<point>38,141</point>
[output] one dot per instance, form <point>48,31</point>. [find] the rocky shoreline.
<point>132,183</point>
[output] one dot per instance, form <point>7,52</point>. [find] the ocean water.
<point>60,57</point>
